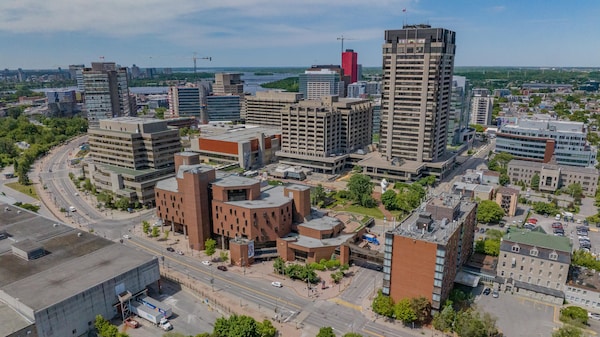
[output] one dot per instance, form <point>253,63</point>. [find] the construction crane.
<point>342,38</point>
<point>195,58</point>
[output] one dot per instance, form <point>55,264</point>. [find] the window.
<point>515,248</point>
<point>534,252</point>
<point>554,256</point>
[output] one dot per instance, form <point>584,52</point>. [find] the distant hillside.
<point>291,84</point>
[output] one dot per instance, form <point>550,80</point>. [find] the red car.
<point>533,221</point>
<point>556,225</point>
<point>132,323</point>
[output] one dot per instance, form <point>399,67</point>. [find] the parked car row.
<point>584,240</point>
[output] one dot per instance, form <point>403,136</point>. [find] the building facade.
<point>423,255</point>
<point>106,92</point>
<point>534,264</point>
<point>223,108</point>
<point>481,107</point>
<point>542,140</point>
<point>265,107</point>
<point>459,114</point>
<point>583,288</point>
<point>418,62</point>
<point>185,101</point>
<point>321,80</point>
<point>350,65</point>
<point>318,134</point>
<point>507,198</point>
<point>554,177</point>
<point>129,155</point>
<point>228,83</point>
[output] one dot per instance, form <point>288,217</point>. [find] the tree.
<point>504,179</point>
<point>279,265</point>
<point>388,199</point>
<point>353,334</point>
<point>122,203</point>
<point>223,256</point>
<point>574,190</point>
<point>422,308</point>
<point>160,112</point>
<point>166,234</point>
<point>404,312</point>
<point>383,305</point>
<point>145,227</point>
<point>210,247</point>
<point>155,232</point>
<point>359,186</point>
<point>318,195</point>
<point>243,326</point>
<point>574,315</point>
<point>568,331</point>
<point>444,319</point>
<point>105,329</point>
<point>266,329</point>
<point>326,331</point>
<point>535,182</point>
<point>489,211</point>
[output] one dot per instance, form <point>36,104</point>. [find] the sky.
<point>38,34</point>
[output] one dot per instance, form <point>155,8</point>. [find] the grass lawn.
<point>29,189</point>
<point>374,212</point>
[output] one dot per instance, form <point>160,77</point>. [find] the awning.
<point>467,279</point>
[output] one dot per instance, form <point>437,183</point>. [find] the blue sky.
<point>237,33</point>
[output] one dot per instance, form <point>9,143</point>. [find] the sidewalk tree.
<point>404,312</point>
<point>210,247</point>
<point>574,190</point>
<point>568,331</point>
<point>155,232</point>
<point>360,188</point>
<point>535,182</point>
<point>145,227</point>
<point>235,325</point>
<point>223,256</point>
<point>489,211</point>
<point>326,331</point>
<point>443,320</point>
<point>122,203</point>
<point>422,308</point>
<point>318,196</point>
<point>388,199</point>
<point>166,234</point>
<point>574,315</point>
<point>266,329</point>
<point>383,305</point>
<point>279,265</point>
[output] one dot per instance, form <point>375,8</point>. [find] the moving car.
<point>206,263</point>
<point>276,284</point>
<point>222,268</point>
<point>170,249</point>
<point>126,236</point>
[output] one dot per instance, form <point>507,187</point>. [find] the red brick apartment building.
<point>424,253</point>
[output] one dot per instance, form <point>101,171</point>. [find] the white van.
<point>72,209</point>
<point>557,217</point>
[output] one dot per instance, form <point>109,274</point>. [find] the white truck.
<point>151,315</point>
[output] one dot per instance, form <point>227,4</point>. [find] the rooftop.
<point>537,239</point>
<point>237,134</point>
<point>305,241</point>
<point>564,168</point>
<point>508,191</point>
<point>270,197</point>
<point>322,223</point>
<point>584,278</point>
<point>233,181</point>
<point>75,260</point>
<point>10,320</point>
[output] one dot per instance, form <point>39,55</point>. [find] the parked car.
<point>170,249</point>
<point>594,315</point>
<point>495,294</point>
<point>486,291</point>
<point>222,268</point>
<point>276,284</point>
<point>557,225</point>
<point>206,263</point>
<point>132,323</point>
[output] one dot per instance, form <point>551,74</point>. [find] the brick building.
<point>423,255</point>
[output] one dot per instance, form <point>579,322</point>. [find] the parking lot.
<point>190,315</point>
<point>518,316</point>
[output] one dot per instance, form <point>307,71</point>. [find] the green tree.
<point>477,127</point>
<point>504,179</point>
<point>243,326</point>
<point>353,334</point>
<point>145,227</point>
<point>422,308</point>
<point>266,329</point>
<point>491,247</point>
<point>383,305</point>
<point>489,211</point>
<point>279,265</point>
<point>160,112</point>
<point>568,331</point>
<point>210,247</point>
<point>155,232</point>
<point>541,207</point>
<point>404,312</point>
<point>535,182</point>
<point>359,186</point>
<point>318,195</point>
<point>122,203</point>
<point>574,190</point>
<point>444,319</point>
<point>166,234</point>
<point>326,331</point>
<point>576,316</point>
<point>388,199</point>
<point>223,256</point>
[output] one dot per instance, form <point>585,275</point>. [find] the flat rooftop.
<point>239,134</point>
<point>584,278</point>
<point>308,242</point>
<point>233,181</point>
<point>563,168</point>
<point>270,197</point>
<point>322,223</point>
<point>10,320</point>
<point>74,262</point>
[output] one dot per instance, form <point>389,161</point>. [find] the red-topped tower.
<point>350,64</point>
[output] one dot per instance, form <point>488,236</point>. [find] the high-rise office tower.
<point>321,80</point>
<point>458,118</point>
<point>106,92</point>
<point>418,62</point>
<point>228,84</point>
<point>350,65</point>
<point>185,101</point>
<point>482,104</point>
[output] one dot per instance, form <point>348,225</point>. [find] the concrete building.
<point>534,264</point>
<point>106,92</point>
<point>265,107</point>
<point>62,103</point>
<point>321,80</point>
<point>423,255</point>
<point>583,288</point>
<point>554,177</point>
<point>185,101</point>
<point>473,191</point>
<point>507,198</point>
<point>350,65</point>
<point>199,202</point>
<point>542,140</point>
<point>129,155</point>
<point>54,279</point>
<point>76,73</point>
<point>223,108</point>
<point>318,134</point>
<point>228,83</point>
<point>481,107</point>
<point>458,118</point>
<point>250,148</point>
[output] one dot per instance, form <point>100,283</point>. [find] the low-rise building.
<point>554,177</point>
<point>473,191</point>
<point>534,264</point>
<point>507,198</point>
<point>423,255</point>
<point>583,288</point>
